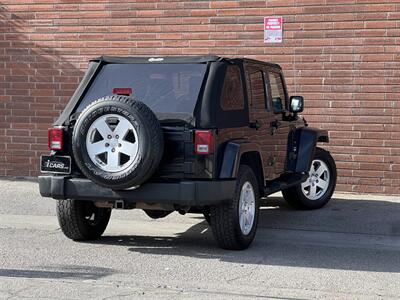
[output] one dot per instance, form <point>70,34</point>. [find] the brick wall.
<point>342,55</point>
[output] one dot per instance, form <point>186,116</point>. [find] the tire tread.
<point>223,217</point>
<point>153,154</point>
<point>69,215</point>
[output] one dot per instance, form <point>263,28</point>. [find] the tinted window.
<point>277,91</point>
<point>163,87</point>
<point>232,97</point>
<point>257,90</point>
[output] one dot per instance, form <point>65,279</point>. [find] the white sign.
<point>273,30</point>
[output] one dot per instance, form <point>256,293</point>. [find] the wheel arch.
<point>254,161</point>
<point>301,147</point>
<point>322,136</point>
<point>242,152</point>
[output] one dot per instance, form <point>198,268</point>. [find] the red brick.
<point>341,55</point>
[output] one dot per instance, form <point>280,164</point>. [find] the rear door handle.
<point>275,124</point>
<point>256,125</point>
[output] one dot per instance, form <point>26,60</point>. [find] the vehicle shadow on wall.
<point>39,81</point>
<point>347,234</point>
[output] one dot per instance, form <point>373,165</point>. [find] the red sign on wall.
<point>273,30</point>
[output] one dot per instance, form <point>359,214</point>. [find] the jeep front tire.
<point>317,190</point>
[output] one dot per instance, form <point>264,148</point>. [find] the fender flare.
<point>301,147</point>
<point>232,154</point>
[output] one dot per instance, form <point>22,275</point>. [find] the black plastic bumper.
<point>181,193</point>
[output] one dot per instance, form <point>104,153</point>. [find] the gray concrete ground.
<point>348,250</point>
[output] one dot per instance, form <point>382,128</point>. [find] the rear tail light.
<point>55,138</point>
<point>122,91</point>
<point>203,142</point>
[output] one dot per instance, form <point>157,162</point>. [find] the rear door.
<point>260,116</point>
<point>267,102</point>
<point>278,127</point>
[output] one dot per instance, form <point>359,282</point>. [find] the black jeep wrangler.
<point>206,135</point>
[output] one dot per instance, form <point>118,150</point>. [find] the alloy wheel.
<point>317,183</point>
<point>112,143</point>
<point>247,208</point>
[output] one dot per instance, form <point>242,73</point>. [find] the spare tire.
<point>117,142</point>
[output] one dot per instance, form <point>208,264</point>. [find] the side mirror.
<point>296,104</point>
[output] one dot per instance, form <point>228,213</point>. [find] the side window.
<point>257,90</point>
<point>277,91</point>
<point>232,97</point>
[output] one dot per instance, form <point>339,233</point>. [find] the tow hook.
<point>119,204</point>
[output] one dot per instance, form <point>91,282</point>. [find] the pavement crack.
<point>249,273</point>
<point>16,293</point>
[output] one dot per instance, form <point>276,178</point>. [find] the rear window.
<point>232,97</point>
<point>165,88</point>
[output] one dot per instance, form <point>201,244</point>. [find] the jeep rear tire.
<point>234,223</point>
<point>317,190</point>
<point>117,142</point>
<point>81,220</point>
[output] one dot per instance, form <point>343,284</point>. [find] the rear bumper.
<point>193,193</point>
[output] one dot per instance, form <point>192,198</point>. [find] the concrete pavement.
<point>348,250</point>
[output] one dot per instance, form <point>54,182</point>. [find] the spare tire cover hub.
<point>112,143</point>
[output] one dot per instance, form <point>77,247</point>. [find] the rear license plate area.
<point>55,164</point>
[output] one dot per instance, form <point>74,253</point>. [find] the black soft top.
<point>205,112</point>
<point>156,59</point>
<point>175,59</point>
